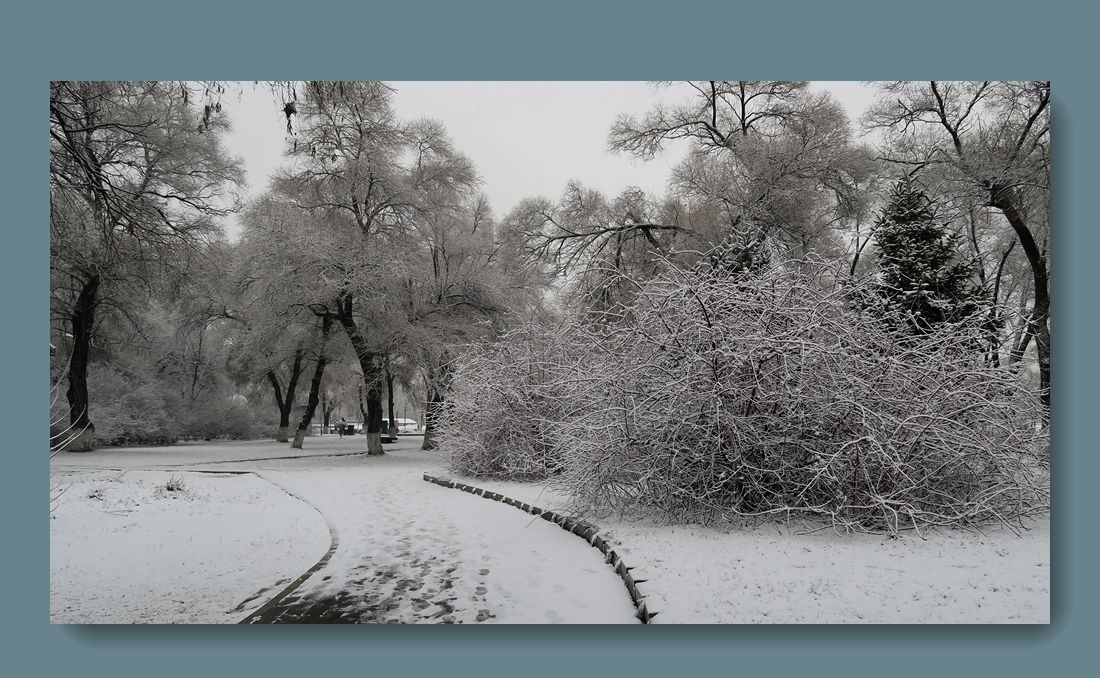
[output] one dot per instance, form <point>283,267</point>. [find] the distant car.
<point>405,426</point>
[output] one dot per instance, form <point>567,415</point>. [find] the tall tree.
<point>460,282</point>
<point>274,290</point>
<point>137,172</point>
<point>363,173</point>
<point>990,140</point>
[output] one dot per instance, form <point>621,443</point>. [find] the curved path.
<point>410,551</point>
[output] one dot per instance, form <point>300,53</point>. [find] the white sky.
<point>525,138</point>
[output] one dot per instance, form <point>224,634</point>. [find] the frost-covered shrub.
<point>711,397</point>
<point>500,418</point>
<point>128,409</point>
<point>220,415</point>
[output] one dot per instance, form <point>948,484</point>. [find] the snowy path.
<point>410,551</point>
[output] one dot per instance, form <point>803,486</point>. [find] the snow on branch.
<point>713,396</point>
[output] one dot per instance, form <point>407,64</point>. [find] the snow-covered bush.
<point>129,409</point>
<point>220,415</point>
<point>713,396</point>
<point>500,419</point>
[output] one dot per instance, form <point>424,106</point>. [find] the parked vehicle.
<point>407,426</point>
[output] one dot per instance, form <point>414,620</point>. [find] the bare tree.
<point>136,171</point>
<point>355,165</point>
<point>773,159</point>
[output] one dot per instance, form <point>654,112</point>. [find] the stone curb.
<point>586,531</point>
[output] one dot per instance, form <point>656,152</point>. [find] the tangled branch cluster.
<point>501,417</point>
<point>710,397</point>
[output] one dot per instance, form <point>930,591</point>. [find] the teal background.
<point>561,40</point>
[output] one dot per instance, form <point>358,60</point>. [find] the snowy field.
<point>408,551</point>
<point>124,549</point>
<point>783,575</point>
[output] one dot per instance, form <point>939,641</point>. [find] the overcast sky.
<point>525,138</point>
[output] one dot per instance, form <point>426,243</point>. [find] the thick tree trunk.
<point>437,397</point>
<point>432,410</point>
<point>374,420</point>
<point>372,373</point>
<point>1004,199</point>
<point>314,387</point>
<point>82,435</point>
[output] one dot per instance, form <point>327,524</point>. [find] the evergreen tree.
<point>921,280</point>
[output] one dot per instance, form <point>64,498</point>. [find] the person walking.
<point>343,425</point>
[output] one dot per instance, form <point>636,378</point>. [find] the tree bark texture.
<point>372,373</point>
<point>82,435</point>
<point>437,398</point>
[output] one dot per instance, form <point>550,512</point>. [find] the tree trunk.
<point>437,397</point>
<point>374,420</point>
<point>995,313</point>
<point>372,373</point>
<point>389,401</point>
<point>286,406</point>
<point>432,410</point>
<point>1004,199</point>
<point>314,387</point>
<point>82,435</point>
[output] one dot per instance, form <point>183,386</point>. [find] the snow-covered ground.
<point>411,551</point>
<point>780,574</point>
<point>124,549</point>
<point>408,551</point>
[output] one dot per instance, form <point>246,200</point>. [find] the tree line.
<point>374,263</point>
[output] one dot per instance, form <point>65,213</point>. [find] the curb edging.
<point>262,614</point>
<point>584,530</point>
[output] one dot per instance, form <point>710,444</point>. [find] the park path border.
<point>263,614</point>
<point>214,462</point>
<point>584,530</point>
